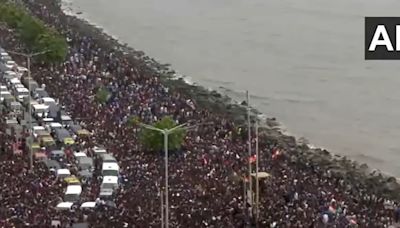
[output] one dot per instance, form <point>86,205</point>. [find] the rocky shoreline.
<point>377,182</point>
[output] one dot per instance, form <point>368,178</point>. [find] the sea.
<point>302,62</point>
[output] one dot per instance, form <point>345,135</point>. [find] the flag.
<point>253,159</point>
<point>332,209</point>
<point>276,153</point>
<point>205,161</point>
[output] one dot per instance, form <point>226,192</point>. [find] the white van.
<point>90,204</point>
<point>108,158</point>
<point>64,206</point>
<point>13,81</point>
<point>47,101</point>
<point>109,182</point>
<point>47,120</point>
<point>72,193</point>
<point>5,95</point>
<point>20,93</point>
<point>79,155</point>
<point>40,109</point>
<point>110,169</point>
<point>36,129</point>
<point>53,126</point>
<point>63,173</point>
<point>9,65</point>
<point>99,151</point>
<point>3,88</point>
<point>108,186</point>
<point>10,74</point>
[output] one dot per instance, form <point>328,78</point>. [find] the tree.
<point>133,120</point>
<point>102,95</point>
<point>34,33</point>
<point>154,140</point>
<point>56,45</point>
<point>10,14</point>
<point>29,29</point>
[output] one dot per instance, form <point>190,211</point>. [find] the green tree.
<point>11,14</point>
<point>56,45</point>
<point>34,33</point>
<point>133,120</point>
<point>29,29</point>
<point>102,95</point>
<point>154,140</point>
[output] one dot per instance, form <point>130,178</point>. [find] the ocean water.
<point>302,61</point>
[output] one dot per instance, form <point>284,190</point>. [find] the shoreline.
<point>211,99</point>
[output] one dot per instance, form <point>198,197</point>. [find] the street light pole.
<point>249,159</point>
<point>166,133</point>
<point>29,56</point>
<point>257,182</point>
<point>162,207</point>
<point>30,114</point>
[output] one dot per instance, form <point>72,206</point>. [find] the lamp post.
<point>162,209</point>
<point>249,148</point>
<point>257,182</point>
<point>28,56</point>
<point>166,133</point>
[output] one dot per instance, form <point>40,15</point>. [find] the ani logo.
<point>382,38</point>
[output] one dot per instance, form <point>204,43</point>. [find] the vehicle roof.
<point>65,205</point>
<point>11,121</point>
<point>80,154</point>
<point>63,172</point>
<point>18,85</point>
<point>110,180</point>
<point>106,191</point>
<point>110,166</point>
<point>73,189</point>
<point>88,204</point>
<point>57,152</point>
<point>40,106</point>
<point>85,159</point>
<point>22,90</point>
<point>5,92</point>
<point>108,157</point>
<point>15,81</point>
<point>22,68</point>
<point>72,179</point>
<point>65,117</point>
<point>38,128</point>
<point>75,127</point>
<point>15,103</point>
<point>48,99</point>
<point>55,124</point>
<point>62,131</point>
<point>85,173</point>
<point>52,163</point>
<point>41,92</point>
<point>98,150</point>
<point>10,72</point>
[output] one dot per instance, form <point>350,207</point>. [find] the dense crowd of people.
<point>206,175</point>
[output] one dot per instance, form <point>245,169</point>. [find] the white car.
<point>110,169</point>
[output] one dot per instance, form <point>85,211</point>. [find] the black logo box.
<point>381,52</point>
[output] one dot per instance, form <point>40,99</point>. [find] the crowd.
<point>206,175</point>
